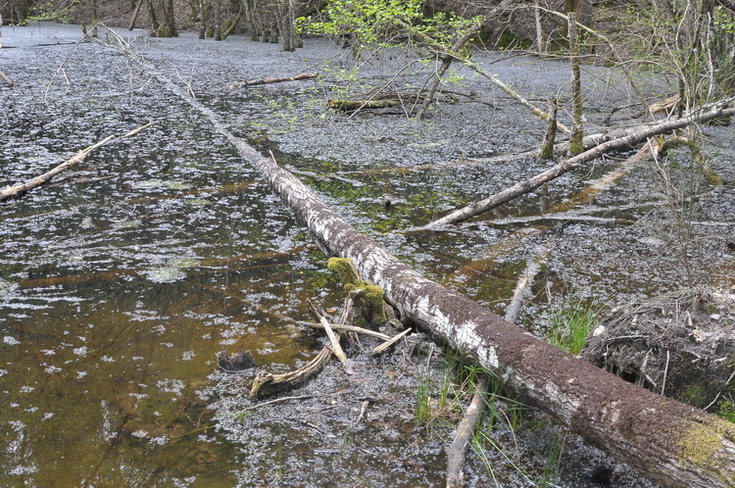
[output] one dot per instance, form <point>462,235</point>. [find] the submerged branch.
<point>456,451</point>
<point>267,81</point>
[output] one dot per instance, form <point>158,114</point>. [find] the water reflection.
<point>119,285</point>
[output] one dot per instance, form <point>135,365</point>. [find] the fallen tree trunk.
<point>268,81</point>
<point>527,186</point>
<point>354,105</point>
<point>669,442</point>
<point>18,190</point>
<point>673,444</point>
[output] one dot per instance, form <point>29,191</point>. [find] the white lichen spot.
<point>488,357</point>
<point>142,434</point>
<point>11,341</point>
<point>80,351</point>
<point>188,355</point>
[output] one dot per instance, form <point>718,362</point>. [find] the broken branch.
<point>347,328</point>
<point>527,186</point>
<point>266,81</point>
<point>333,338</point>
<point>456,451</point>
<point>78,158</point>
<point>276,382</point>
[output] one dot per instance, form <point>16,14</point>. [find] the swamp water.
<point>121,280</point>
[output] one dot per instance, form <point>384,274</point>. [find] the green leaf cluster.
<point>373,25</point>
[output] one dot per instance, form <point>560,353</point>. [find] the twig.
<point>200,429</point>
<point>345,327</point>
<point>333,339</point>
<point>6,79</point>
<point>265,81</point>
<point>456,451</point>
<point>279,400</point>
<point>363,411</point>
<point>389,342</point>
<point>721,390</point>
<point>666,371</point>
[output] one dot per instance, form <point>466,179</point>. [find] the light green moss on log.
<point>368,298</point>
<point>346,270</point>
<point>699,444</point>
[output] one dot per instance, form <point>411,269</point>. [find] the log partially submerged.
<point>669,442</point>
<point>673,444</point>
<point>18,190</point>
<point>521,188</point>
<point>268,81</point>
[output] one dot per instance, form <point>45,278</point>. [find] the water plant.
<point>570,325</point>
<point>553,460</point>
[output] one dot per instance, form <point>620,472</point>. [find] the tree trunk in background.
<point>576,138</point>
<point>136,11</point>
<point>202,20</point>
<point>217,20</point>
<point>163,21</point>
<point>170,18</point>
<point>288,25</point>
<point>540,44</point>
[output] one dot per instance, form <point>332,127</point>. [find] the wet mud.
<point>122,279</point>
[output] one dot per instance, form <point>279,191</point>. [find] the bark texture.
<point>671,443</point>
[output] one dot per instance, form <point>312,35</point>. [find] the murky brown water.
<point>120,281</point>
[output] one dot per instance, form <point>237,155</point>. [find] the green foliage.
<point>695,395</point>
<point>726,410</point>
<point>553,460</point>
<point>374,25</point>
<point>570,326</point>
